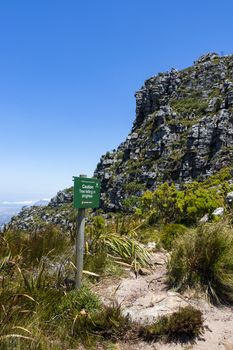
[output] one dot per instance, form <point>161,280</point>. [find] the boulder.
<point>218,211</point>
<point>229,198</point>
<point>204,219</point>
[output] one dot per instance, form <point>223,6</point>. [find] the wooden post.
<point>80,228</point>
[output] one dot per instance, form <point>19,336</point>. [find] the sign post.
<point>86,195</point>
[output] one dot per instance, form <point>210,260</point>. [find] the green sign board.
<point>86,192</point>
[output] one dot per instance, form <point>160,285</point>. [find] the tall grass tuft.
<point>204,258</point>
<point>32,246</point>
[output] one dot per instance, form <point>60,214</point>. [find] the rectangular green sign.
<point>86,192</point>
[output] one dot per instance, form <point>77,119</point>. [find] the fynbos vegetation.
<point>168,190</point>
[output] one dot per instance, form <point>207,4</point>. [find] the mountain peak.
<point>182,131</point>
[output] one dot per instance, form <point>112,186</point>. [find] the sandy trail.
<point>146,297</point>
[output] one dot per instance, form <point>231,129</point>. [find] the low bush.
<point>169,233</point>
<point>183,325</point>
<point>186,205</point>
<point>149,233</point>
<point>109,323</point>
<point>78,300</point>
<point>203,258</point>
<point>188,105</point>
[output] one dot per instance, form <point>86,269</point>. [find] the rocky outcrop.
<point>57,212</point>
<point>183,130</point>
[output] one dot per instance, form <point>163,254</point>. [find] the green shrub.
<point>188,105</point>
<point>130,203</point>
<point>169,233</point>
<point>167,202</point>
<point>185,324</point>
<point>146,201</point>
<point>77,300</point>
<point>199,201</point>
<point>133,187</point>
<point>187,205</point>
<point>204,258</point>
<point>148,233</point>
<point>153,217</point>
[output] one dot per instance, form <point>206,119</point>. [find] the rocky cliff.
<point>183,130</point>
<point>59,212</point>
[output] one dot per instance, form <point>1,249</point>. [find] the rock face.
<point>183,130</point>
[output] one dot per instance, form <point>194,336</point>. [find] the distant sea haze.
<point>9,209</point>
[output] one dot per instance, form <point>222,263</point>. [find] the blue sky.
<point>68,73</point>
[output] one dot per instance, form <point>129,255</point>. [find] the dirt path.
<point>146,297</point>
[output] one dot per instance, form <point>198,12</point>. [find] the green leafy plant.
<point>199,201</point>
<point>127,248</point>
<point>168,204</point>
<point>117,242</point>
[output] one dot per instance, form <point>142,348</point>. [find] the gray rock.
<point>229,198</point>
<point>182,131</point>
<point>168,144</point>
<point>150,246</point>
<point>204,219</point>
<point>218,212</point>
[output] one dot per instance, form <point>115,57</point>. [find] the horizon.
<point>9,209</point>
<point>69,71</point>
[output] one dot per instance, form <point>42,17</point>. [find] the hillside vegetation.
<point>168,189</point>
<point>40,309</point>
